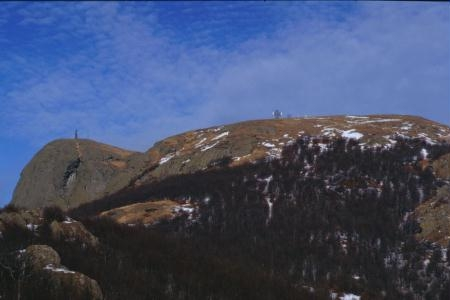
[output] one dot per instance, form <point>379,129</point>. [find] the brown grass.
<point>142,213</point>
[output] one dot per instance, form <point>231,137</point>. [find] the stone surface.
<point>67,173</point>
<point>45,274</point>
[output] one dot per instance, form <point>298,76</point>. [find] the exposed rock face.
<point>68,173</point>
<point>43,271</point>
<point>69,230</point>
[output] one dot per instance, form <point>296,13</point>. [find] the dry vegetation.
<point>143,213</point>
<point>434,217</point>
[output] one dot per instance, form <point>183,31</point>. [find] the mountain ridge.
<point>69,172</point>
<point>315,208</point>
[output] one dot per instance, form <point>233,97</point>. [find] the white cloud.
<point>128,84</point>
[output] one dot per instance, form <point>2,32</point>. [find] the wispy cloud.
<point>125,76</point>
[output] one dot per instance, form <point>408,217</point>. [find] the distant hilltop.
<point>71,172</point>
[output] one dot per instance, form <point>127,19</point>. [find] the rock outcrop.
<point>67,173</point>
<point>45,277</point>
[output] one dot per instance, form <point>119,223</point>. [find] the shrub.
<point>53,213</point>
<point>9,208</point>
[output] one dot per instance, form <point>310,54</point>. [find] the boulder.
<point>44,274</point>
<point>73,231</point>
<point>37,257</point>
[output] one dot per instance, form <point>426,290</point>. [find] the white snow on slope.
<point>373,121</point>
<point>357,117</point>
<point>350,297</point>
<point>352,134</point>
<point>330,131</point>
<point>199,144</point>
<point>207,147</point>
<point>217,129</point>
<point>183,208</point>
<point>268,145</point>
<point>166,158</point>
<point>426,138</point>
<point>406,126</point>
<point>424,153</point>
<point>224,134</point>
<point>32,227</point>
<point>54,269</point>
<point>270,205</point>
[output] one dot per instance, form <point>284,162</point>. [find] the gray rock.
<point>67,173</point>
<point>43,271</point>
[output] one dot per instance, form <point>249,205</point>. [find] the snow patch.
<point>32,227</point>
<point>331,132</point>
<point>352,134</point>
<point>323,147</point>
<point>54,269</point>
<point>406,126</point>
<point>224,134</point>
<point>268,145</point>
<point>217,129</point>
<point>183,208</point>
<point>207,147</point>
<point>69,220</point>
<point>199,144</point>
<point>356,117</point>
<point>166,158</point>
<point>424,153</point>
<point>426,138</point>
<point>350,297</point>
<point>274,153</point>
<point>270,205</point>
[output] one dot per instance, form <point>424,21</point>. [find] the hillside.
<point>341,207</point>
<point>68,172</point>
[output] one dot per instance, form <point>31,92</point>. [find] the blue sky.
<point>130,74</point>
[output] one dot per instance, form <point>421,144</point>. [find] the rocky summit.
<point>329,207</point>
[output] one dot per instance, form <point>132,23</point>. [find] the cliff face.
<point>68,173</point>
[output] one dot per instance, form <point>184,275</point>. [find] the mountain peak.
<point>69,172</point>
